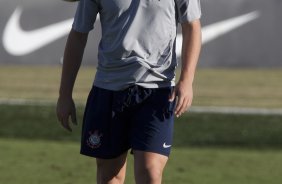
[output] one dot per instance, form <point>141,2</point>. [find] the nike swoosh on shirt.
<point>213,31</point>
<point>18,42</point>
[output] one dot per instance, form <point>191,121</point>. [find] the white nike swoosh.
<point>213,31</point>
<point>18,42</point>
<point>166,146</point>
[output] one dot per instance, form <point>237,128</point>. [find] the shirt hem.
<point>142,84</point>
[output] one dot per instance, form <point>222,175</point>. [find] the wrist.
<point>65,94</point>
<point>187,75</point>
<point>186,80</point>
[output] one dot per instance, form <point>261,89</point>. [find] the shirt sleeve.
<point>85,15</point>
<point>188,10</point>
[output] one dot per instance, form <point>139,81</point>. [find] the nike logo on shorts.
<point>166,146</point>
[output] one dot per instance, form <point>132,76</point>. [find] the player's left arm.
<point>191,47</point>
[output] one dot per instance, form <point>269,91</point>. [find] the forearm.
<point>72,60</point>
<point>191,47</point>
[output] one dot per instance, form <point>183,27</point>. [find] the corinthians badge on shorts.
<point>94,140</point>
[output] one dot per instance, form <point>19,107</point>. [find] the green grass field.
<point>219,87</point>
<point>46,162</point>
<point>208,148</point>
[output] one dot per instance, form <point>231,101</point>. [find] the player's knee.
<point>149,174</point>
<point>154,174</point>
<point>107,173</point>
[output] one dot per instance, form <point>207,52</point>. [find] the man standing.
<point>134,97</point>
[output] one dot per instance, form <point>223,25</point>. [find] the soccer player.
<point>134,98</point>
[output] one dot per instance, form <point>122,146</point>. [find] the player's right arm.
<point>71,63</point>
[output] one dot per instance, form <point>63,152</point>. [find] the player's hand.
<point>183,93</point>
<point>65,109</point>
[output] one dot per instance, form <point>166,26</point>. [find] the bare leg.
<point>148,167</point>
<point>111,171</point>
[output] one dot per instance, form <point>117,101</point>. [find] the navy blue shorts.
<point>136,118</point>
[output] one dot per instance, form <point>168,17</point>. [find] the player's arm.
<point>71,63</point>
<point>191,46</point>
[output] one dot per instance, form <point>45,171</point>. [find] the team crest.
<point>94,140</point>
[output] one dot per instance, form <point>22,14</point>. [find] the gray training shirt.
<point>138,39</point>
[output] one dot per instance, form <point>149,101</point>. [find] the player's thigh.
<point>149,159</point>
<point>149,163</point>
<point>108,169</point>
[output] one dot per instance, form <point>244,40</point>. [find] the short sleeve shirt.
<point>138,39</point>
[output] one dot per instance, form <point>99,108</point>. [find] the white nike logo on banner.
<point>18,42</point>
<point>213,31</point>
